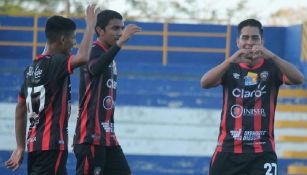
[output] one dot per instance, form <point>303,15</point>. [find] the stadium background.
<point>165,122</point>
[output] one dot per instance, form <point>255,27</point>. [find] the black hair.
<point>252,23</point>
<point>105,16</point>
<point>56,26</point>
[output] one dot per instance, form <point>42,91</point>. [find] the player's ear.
<point>62,39</point>
<point>99,30</point>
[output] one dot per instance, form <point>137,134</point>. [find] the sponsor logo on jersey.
<point>111,84</point>
<point>247,135</point>
<point>237,111</point>
<point>107,126</point>
<point>250,79</point>
<point>236,134</point>
<point>242,93</point>
<point>36,73</point>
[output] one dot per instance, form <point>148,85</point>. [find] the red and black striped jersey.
<point>249,102</point>
<point>46,89</point>
<point>97,96</point>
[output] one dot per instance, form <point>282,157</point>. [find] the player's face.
<point>249,37</point>
<point>111,32</point>
<point>69,42</point>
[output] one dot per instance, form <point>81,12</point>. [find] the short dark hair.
<point>56,26</point>
<point>252,23</point>
<point>105,16</point>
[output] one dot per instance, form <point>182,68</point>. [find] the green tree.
<point>36,6</point>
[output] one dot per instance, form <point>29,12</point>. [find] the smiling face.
<point>249,36</point>
<point>111,33</point>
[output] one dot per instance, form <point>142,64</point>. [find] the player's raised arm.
<point>85,46</point>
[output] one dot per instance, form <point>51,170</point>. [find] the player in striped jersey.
<point>251,78</point>
<point>45,98</point>
<point>95,144</point>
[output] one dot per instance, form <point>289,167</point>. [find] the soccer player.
<point>45,97</point>
<point>95,144</point>
<point>250,78</point>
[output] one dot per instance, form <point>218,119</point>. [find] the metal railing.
<point>164,48</point>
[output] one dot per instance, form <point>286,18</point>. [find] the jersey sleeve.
<point>279,76</point>
<point>224,79</point>
<point>94,57</point>
<point>22,90</point>
<point>100,60</point>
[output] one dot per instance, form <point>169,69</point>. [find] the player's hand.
<point>129,30</point>
<point>242,56</point>
<point>91,14</point>
<point>261,51</point>
<point>15,160</point>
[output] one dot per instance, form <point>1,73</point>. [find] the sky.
<point>263,8</point>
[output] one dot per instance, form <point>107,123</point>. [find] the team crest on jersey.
<point>250,79</point>
<point>236,75</point>
<point>264,75</point>
<point>108,102</point>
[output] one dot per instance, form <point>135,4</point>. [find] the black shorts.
<point>52,162</point>
<point>227,163</point>
<point>98,160</point>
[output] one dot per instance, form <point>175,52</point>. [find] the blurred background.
<point>165,122</point>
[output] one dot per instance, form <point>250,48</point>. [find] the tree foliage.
<point>154,10</point>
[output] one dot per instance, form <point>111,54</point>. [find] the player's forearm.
<point>84,50</point>
<point>289,70</point>
<point>213,77</point>
<point>20,124</point>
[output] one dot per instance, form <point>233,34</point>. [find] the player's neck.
<point>105,44</point>
<point>254,62</point>
<point>52,49</point>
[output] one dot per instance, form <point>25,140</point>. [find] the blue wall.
<point>142,78</point>
<point>143,81</point>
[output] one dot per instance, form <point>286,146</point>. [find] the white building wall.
<point>159,131</point>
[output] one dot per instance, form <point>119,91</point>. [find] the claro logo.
<point>248,94</point>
